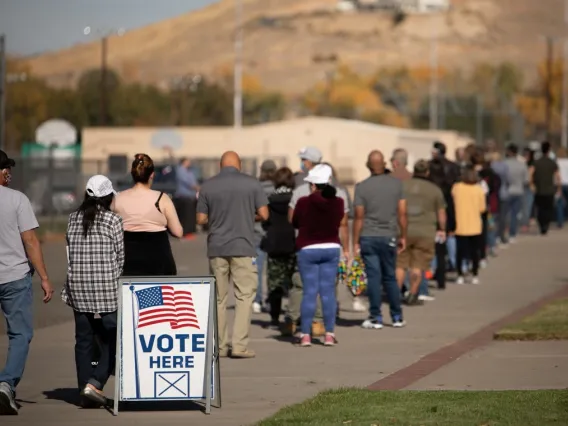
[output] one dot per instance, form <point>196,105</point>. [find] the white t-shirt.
<point>17,216</point>
<point>563,168</point>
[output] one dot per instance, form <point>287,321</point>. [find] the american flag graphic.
<point>162,304</point>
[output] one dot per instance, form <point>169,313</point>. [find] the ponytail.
<point>90,208</point>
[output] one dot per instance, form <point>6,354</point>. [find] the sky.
<point>35,26</point>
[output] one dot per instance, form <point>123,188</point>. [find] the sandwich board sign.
<point>167,346</point>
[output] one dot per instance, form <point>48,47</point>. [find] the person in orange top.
<point>469,202</point>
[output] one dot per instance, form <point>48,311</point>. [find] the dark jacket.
<point>317,219</point>
<point>493,182</point>
<point>280,237</point>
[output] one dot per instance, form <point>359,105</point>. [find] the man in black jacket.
<point>451,169</point>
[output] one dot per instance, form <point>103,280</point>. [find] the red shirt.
<point>317,220</point>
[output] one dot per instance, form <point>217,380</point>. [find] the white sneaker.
<point>7,401</point>
<point>358,305</point>
<point>483,264</point>
<point>256,308</point>
<point>426,298</point>
<point>399,324</point>
<point>460,281</point>
<point>512,240</point>
<point>475,280</point>
<point>372,324</point>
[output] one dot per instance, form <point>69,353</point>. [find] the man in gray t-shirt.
<point>380,217</point>
<point>230,203</point>
<point>18,247</point>
<point>518,178</point>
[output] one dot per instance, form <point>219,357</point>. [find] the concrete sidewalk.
<point>504,366</point>
<point>283,374</point>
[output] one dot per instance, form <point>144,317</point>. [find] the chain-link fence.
<point>55,186</point>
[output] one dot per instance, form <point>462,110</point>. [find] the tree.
<point>89,89</point>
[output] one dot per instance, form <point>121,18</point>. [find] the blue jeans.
<point>260,262</point>
<point>318,269</point>
<point>560,205</point>
<point>379,257</point>
<point>528,201</point>
<point>16,301</point>
<point>515,206</point>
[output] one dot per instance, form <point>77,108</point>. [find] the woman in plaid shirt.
<point>95,247</point>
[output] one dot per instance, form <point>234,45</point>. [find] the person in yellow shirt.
<point>470,203</point>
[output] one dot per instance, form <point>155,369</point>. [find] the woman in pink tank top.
<point>147,216</point>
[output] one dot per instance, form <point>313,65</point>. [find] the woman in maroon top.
<point>318,218</point>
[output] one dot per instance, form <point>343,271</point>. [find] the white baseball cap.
<point>99,186</point>
<point>319,175</point>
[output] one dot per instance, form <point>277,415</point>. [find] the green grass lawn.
<point>549,323</point>
<point>358,407</point>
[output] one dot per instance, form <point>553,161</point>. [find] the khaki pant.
<point>245,280</point>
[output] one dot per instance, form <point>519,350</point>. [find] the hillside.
<point>283,37</point>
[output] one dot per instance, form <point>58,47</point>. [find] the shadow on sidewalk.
<point>68,395</point>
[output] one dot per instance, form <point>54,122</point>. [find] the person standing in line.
<point>528,197</point>
<point>399,161</point>
<point>426,210</point>
<point>547,184</point>
<point>469,202</point>
<point>562,202</point>
<point>279,243</point>
<point>318,218</point>
<point>230,203</point>
<point>147,217</point>
<point>19,246</point>
<point>380,212</point>
<point>310,157</point>
<point>296,292</point>
<point>437,176</point>
<point>267,170</point>
<point>518,178</point>
<point>95,247</point>
<point>185,198</point>
<point>500,167</point>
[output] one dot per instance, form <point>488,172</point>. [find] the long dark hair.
<point>90,207</point>
<point>327,190</point>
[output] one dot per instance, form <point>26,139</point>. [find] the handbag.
<point>353,276</point>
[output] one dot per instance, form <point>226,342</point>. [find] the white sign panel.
<point>166,339</point>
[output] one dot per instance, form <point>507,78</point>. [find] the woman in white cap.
<point>95,250</point>
<point>318,218</point>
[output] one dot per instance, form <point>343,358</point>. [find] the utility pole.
<point>434,77</point>
<point>238,67</point>
<point>3,74</point>
<point>104,50</point>
<point>564,141</point>
<point>105,34</point>
<point>548,84</point>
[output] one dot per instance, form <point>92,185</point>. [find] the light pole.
<point>238,67</point>
<point>2,90</point>
<point>104,68</point>
<point>434,75</point>
<point>564,140</point>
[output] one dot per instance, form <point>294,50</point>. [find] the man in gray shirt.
<point>19,246</point>
<point>380,210</point>
<point>230,203</point>
<point>518,179</point>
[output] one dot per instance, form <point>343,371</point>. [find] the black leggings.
<point>468,248</point>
